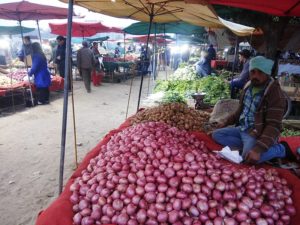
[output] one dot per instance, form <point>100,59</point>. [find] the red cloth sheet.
<point>215,63</point>
<point>57,83</point>
<point>2,92</point>
<point>60,211</point>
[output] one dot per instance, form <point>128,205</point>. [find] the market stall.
<point>289,78</point>
<point>82,198</point>
<point>14,87</point>
<point>111,65</point>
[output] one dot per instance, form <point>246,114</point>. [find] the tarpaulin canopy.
<point>162,11</point>
<point>98,38</point>
<point>240,30</point>
<point>158,39</point>
<point>273,7</point>
<point>11,30</point>
<point>24,10</point>
<point>81,29</point>
<point>78,40</point>
<point>160,28</point>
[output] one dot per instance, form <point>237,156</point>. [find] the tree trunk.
<point>273,32</point>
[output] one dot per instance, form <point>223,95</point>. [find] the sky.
<point>88,16</point>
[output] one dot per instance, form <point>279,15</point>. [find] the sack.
<point>223,109</point>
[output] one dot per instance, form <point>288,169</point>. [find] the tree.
<point>272,26</point>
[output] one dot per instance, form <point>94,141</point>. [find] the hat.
<point>85,44</point>
<point>246,53</point>
<point>261,63</point>
<point>60,38</point>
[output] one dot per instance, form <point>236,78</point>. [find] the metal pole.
<point>124,47</point>
<point>66,92</point>
<point>38,26</point>
<point>74,121</point>
<point>235,54</point>
<point>25,61</point>
<point>131,82</point>
<point>166,66</point>
<point>142,78</point>
<point>153,60</point>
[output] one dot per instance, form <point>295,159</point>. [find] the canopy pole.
<point>38,26</point>
<point>129,95</point>
<point>166,66</point>
<point>25,61</point>
<point>146,58</point>
<point>74,121</point>
<point>153,61</point>
<point>10,66</point>
<point>124,46</point>
<point>66,92</point>
<point>235,54</point>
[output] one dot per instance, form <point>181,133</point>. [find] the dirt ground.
<point>30,145</point>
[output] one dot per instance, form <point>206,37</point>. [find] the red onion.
<point>173,216</point>
<point>202,206</point>
<point>261,221</point>
<point>267,210</point>
<point>153,174</point>
<point>169,172</point>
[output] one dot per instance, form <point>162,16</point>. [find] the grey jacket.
<point>85,58</point>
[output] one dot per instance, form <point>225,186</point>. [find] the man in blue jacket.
<point>238,83</point>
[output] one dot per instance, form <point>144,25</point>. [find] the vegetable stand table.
<point>111,67</point>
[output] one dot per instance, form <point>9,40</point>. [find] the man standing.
<point>238,83</point>
<point>118,50</point>
<point>211,53</point>
<point>85,64</point>
<point>96,55</point>
<point>61,55</point>
<point>26,51</point>
<point>258,118</point>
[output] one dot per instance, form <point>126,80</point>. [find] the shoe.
<point>288,152</point>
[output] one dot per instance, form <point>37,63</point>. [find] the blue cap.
<point>261,63</point>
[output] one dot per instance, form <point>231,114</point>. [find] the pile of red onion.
<point>156,174</point>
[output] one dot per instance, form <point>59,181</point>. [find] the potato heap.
<point>175,114</point>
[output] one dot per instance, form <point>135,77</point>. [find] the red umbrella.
<point>81,29</point>
<point>30,11</point>
<point>273,7</point>
<point>25,10</point>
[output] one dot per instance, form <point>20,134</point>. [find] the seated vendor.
<point>258,119</point>
<point>203,67</point>
<point>238,83</point>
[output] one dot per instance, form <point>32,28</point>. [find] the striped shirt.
<point>250,103</point>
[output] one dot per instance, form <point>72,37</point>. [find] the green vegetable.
<point>185,82</point>
<point>170,97</point>
<point>289,132</point>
